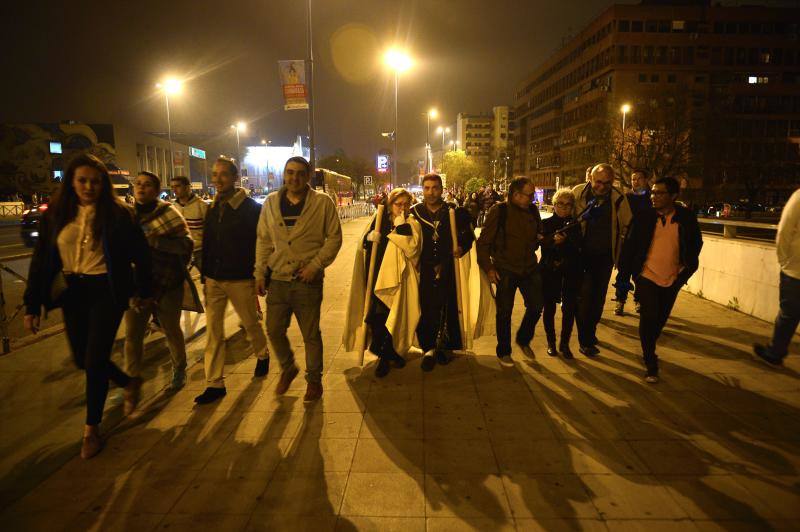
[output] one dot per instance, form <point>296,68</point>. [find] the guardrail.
<point>11,208</point>
<point>4,319</point>
<point>742,229</point>
<point>354,210</point>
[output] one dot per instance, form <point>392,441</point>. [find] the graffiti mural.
<point>27,165</point>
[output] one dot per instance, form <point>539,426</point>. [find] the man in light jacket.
<point>299,235</point>
<point>788,244</point>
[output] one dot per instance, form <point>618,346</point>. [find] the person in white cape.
<point>394,309</point>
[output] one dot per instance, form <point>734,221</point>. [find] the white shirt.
<point>76,245</point>
<point>788,238</point>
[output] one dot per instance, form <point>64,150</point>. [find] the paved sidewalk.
<point>547,445</point>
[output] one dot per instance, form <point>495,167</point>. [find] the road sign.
<point>367,179</point>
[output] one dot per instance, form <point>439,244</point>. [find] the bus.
<point>333,184</point>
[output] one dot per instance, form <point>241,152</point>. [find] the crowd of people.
<point>103,261</point>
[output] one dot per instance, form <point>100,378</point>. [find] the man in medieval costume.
<point>440,326</point>
<point>394,308</point>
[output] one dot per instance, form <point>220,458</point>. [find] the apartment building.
<point>737,68</point>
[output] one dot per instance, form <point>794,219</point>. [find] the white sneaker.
<point>506,361</point>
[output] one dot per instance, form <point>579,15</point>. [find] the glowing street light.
<point>238,126</point>
<point>626,108</point>
<point>169,86</point>
<point>398,61</point>
<point>432,113</point>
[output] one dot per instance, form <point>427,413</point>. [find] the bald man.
<point>603,234</point>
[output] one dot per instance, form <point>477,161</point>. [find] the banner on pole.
<point>293,81</point>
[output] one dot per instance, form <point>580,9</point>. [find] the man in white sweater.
<point>299,235</point>
<point>788,246</point>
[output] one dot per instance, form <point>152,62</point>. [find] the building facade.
<point>33,157</point>
<point>733,71</point>
<point>474,135</point>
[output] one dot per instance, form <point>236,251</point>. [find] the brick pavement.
<point>547,445</point>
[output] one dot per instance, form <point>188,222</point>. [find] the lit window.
<point>752,80</point>
<point>58,175</point>
<point>55,147</point>
<point>678,25</point>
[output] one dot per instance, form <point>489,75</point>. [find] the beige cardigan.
<point>621,216</point>
<point>315,238</point>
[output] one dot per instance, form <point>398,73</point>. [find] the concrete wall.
<point>740,274</point>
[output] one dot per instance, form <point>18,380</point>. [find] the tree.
<point>474,184</point>
<point>460,168</point>
<point>658,138</point>
<point>354,168</point>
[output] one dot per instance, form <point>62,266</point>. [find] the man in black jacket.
<point>229,251</point>
<point>639,200</point>
<point>662,252</point>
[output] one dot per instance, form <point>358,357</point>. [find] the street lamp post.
<point>625,109</point>
<point>237,127</point>
<point>399,62</point>
<point>433,113</point>
<point>170,86</point>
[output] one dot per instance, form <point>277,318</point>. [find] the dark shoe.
<point>398,361</point>
<point>382,369</point>
<point>428,363</point>
<point>506,361</point>
<point>286,380</point>
<point>442,358</point>
<point>262,367</point>
<point>589,350</point>
<point>764,353</point>
<point>566,352</point>
<point>551,349</point>
<point>638,307</point>
<point>651,378</point>
<point>131,395</point>
<point>92,444</point>
<point>313,392</point>
<point>210,395</point>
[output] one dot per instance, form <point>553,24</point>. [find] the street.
<point>549,444</point>
<point>11,244</point>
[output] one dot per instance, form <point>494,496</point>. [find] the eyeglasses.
<point>562,204</point>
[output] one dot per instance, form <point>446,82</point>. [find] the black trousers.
<point>596,273</point>
<point>91,319</point>
<point>381,343</point>
<point>438,326</point>
<point>656,304</point>
<point>560,286</point>
<point>530,286</point>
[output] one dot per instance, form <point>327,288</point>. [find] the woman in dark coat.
<point>84,263</point>
<point>560,271</point>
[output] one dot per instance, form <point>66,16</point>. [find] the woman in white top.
<point>84,263</point>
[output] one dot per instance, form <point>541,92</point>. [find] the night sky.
<point>98,61</point>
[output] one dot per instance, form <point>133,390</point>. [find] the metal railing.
<point>355,210</point>
<point>741,229</point>
<point>11,208</point>
<point>4,319</point>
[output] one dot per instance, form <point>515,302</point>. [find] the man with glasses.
<point>604,228</point>
<point>507,253</point>
<point>662,253</point>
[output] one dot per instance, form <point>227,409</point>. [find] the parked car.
<point>30,224</point>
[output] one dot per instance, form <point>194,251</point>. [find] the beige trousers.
<point>242,295</point>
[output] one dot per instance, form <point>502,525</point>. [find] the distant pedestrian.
<point>662,252</point>
<point>788,245</point>
<point>229,244</point>
<point>394,309</point>
<point>91,260</point>
<point>639,200</point>
<point>507,253</point>
<point>561,273</point>
<point>194,211</point>
<point>171,250</point>
<point>604,232</point>
<point>299,235</point>
<point>474,208</point>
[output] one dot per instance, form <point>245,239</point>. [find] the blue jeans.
<point>788,316</point>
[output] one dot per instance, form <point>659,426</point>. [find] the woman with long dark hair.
<point>91,260</point>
